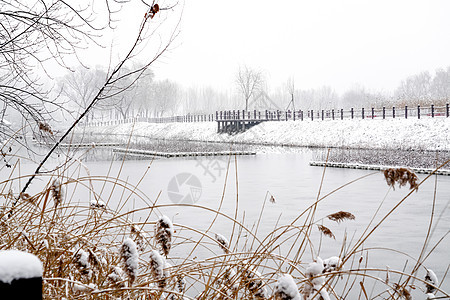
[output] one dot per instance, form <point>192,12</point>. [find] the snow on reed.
<point>79,287</point>
<point>18,264</point>
<point>130,257</point>
<point>286,289</point>
<point>100,204</point>
<point>116,276</point>
<point>139,236</point>
<point>315,281</point>
<point>81,259</point>
<point>331,264</point>
<point>157,265</point>
<point>223,243</point>
<point>254,283</point>
<point>163,234</point>
<point>431,281</point>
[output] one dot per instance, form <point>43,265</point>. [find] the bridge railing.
<point>431,111</point>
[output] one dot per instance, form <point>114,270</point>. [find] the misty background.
<point>323,54</point>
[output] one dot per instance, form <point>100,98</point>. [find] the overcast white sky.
<point>322,42</point>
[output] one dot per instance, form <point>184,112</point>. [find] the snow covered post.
<point>20,275</point>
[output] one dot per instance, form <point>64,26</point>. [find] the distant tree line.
<point>158,98</point>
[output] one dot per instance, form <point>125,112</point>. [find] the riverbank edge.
<point>375,167</point>
<point>423,135</point>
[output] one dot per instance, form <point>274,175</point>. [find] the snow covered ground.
<point>405,134</point>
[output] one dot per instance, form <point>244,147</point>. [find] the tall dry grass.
<point>92,249</point>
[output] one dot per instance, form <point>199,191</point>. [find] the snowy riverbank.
<point>405,134</point>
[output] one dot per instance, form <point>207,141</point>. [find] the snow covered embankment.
<point>405,134</point>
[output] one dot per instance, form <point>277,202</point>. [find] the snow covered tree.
<point>248,81</point>
<point>36,36</point>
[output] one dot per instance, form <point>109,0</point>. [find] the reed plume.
<point>116,276</point>
<point>331,264</point>
<point>130,257</point>
<point>254,284</point>
<point>163,234</point>
<point>57,192</point>
<point>157,265</point>
<point>45,127</point>
<point>341,216</point>
<point>431,281</point>
<point>286,289</point>
<point>402,176</point>
<point>223,243</point>
<point>326,231</point>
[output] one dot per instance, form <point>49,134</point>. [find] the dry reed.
<point>84,257</point>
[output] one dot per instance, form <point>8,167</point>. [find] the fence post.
<point>362,113</point>
<point>312,115</point>
<point>373,112</point>
<point>384,112</point>
<point>301,114</point>
<point>418,111</point>
<point>266,115</point>
<point>332,113</point>
<point>342,114</point>
<point>393,112</point>
<point>322,114</point>
<point>351,110</point>
<point>432,110</point>
<point>259,115</point>
<point>406,111</point>
<point>446,110</point>
<point>286,115</point>
<point>254,114</point>
<point>278,114</point>
<point>238,114</point>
